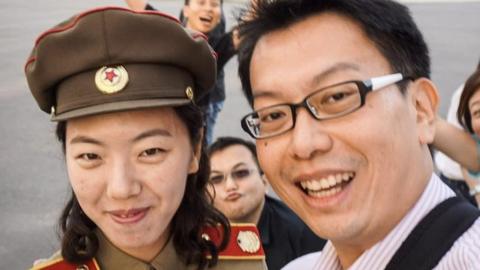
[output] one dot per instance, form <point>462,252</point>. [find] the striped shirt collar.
<point>378,256</point>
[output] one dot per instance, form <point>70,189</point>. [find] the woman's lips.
<point>130,216</point>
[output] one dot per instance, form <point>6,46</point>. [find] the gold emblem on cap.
<point>248,241</point>
<point>189,93</point>
<point>110,80</point>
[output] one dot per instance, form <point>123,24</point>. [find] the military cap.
<point>114,59</point>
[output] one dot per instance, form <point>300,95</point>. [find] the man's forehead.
<point>235,153</point>
<point>305,53</point>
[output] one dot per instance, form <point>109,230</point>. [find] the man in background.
<point>239,188</point>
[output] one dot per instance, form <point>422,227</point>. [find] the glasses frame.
<point>229,174</point>
<point>365,87</point>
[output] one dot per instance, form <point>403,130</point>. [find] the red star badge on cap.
<point>110,75</point>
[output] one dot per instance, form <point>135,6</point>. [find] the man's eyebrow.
<point>239,165</point>
<point>316,79</point>
<point>151,133</point>
<point>234,167</point>
<point>342,66</point>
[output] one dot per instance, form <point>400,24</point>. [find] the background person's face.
<point>474,106</point>
<point>128,171</point>
<point>202,15</point>
<point>239,199</point>
<point>363,171</point>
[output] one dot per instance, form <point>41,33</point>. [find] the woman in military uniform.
<point>122,87</point>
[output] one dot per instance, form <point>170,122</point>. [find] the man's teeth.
<point>324,186</point>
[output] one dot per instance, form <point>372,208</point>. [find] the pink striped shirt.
<point>464,254</point>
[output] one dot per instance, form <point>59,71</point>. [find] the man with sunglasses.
<point>343,114</point>
<point>238,188</point>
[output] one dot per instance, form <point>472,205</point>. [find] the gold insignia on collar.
<point>110,80</point>
<point>205,237</point>
<point>248,241</point>
<point>189,93</point>
<point>82,267</point>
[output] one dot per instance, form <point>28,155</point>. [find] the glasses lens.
<point>241,173</point>
<point>270,121</point>
<point>335,100</point>
<point>216,178</point>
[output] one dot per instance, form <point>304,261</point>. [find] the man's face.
<point>360,169</point>
<point>240,194</point>
<point>202,15</point>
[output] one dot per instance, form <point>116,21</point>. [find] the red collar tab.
<point>244,241</point>
<point>61,264</point>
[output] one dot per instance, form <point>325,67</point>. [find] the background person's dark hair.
<point>223,142</point>
<point>79,242</point>
<point>188,2</point>
<point>472,85</point>
<point>387,23</point>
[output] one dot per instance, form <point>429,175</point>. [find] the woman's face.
<point>128,171</point>
<point>474,106</point>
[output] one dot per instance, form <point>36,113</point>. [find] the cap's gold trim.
<point>189,93</point>
<point>110,80</point>
<point>248,241</point>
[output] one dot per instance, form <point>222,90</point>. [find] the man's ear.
<point>425,99</point>
<point>197,153</point>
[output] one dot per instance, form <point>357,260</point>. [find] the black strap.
<point>433,237</point>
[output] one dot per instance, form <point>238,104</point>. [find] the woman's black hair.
<point>80,243</point>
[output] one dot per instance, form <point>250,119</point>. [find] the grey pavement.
<point>34,184</point>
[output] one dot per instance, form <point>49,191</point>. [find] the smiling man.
<point>343,114</point>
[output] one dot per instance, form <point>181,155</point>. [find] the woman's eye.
<point>151,152</point>
<point>88,156</point>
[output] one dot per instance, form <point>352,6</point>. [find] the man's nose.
<point>309,137</point>
<point>230,183</point>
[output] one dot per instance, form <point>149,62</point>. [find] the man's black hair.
<point>223,142</point>
<point>387,23</point>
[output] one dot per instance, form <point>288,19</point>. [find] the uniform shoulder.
<point>56,262</point>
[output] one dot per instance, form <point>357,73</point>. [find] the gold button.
<point>189,92</point>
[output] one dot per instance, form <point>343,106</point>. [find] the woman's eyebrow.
<point>151,133</point>
<point>85,139</point>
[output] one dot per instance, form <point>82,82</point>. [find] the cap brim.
<point>119,106</point>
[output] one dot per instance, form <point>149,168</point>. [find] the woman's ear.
<point>185,12</point>
<point>425,98</point>
<point>197,153</point>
